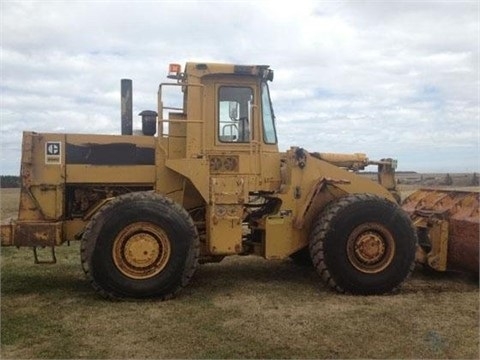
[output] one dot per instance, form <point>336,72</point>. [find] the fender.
<point>317,198</point>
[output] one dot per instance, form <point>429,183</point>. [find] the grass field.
<point>244,307</point>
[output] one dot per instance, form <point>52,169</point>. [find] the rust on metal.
<point>370,248</point>
<point>19,233</point>
<point>450,216</point>
<point>6,232</point>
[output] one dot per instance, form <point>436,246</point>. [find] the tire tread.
<point>90,234</point>
<point>322,227</point>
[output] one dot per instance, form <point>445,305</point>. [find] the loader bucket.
<point>447,223</point>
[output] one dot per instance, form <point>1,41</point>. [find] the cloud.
<point>391,79</point>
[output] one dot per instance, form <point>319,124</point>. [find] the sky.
<point>396,79</point>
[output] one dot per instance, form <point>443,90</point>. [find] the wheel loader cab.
<point>235,114</point>
<point>243,114</point>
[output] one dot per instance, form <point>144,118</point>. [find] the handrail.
<point>172,108</point>
<point>161,120</point>
<point>184,121</point>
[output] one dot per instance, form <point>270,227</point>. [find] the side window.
<point>234,112</point>
<point>269,132</point>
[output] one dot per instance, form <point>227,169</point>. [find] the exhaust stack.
<point>126,106</point>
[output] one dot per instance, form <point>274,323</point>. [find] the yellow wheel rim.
<point>141,250</point>
<point>370,248</point>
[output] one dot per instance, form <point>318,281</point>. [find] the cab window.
<point>269,132</point>
<point>234,114</point>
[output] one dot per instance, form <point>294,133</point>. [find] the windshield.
<point>269,133</point>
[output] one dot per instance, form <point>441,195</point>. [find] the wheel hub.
<point>370,248</point>
<point>141,250</point>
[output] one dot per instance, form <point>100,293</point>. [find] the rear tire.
<point>140,245</point>
<point>363,244</point>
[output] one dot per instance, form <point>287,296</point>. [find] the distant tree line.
<point>9,181</point>
<point>475,181</point>
<point>449,181</point>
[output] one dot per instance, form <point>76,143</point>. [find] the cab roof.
<point>200,69</point>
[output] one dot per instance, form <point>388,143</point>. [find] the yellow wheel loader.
<point>205,179</point>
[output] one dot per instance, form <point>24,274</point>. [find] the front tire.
<point>302,258</point>
<point>140,245</point>
<point>363,244</point>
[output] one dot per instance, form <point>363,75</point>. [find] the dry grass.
<point>241,308</point>
<point>9,203</point>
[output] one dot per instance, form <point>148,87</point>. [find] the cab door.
<point>234,159</point>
